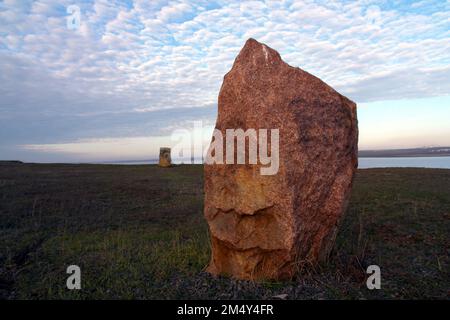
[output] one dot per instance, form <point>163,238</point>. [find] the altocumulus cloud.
<point>134,68</point>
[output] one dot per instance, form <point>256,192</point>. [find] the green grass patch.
<point>138,232</point>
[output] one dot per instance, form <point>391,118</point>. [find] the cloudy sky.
<point>116,85</point>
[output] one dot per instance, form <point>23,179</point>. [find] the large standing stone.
<point>266,226</point>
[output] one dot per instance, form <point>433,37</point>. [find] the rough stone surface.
<point>164,157</point>
<point>268,226</point>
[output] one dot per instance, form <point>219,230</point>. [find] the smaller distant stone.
<point>164,157</point>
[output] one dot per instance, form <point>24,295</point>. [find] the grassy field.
<point>138,232</point>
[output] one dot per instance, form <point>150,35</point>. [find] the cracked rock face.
<point>267,226</point>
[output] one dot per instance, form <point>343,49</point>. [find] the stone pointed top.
<point>257,53</point>
<point>259,67</point>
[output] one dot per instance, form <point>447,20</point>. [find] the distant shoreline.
<point>387,153</point>
<point>404,156</point>
<point>405,153</point>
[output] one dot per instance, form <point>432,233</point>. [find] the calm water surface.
<point>364,163</point>
<point>417,162</point>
